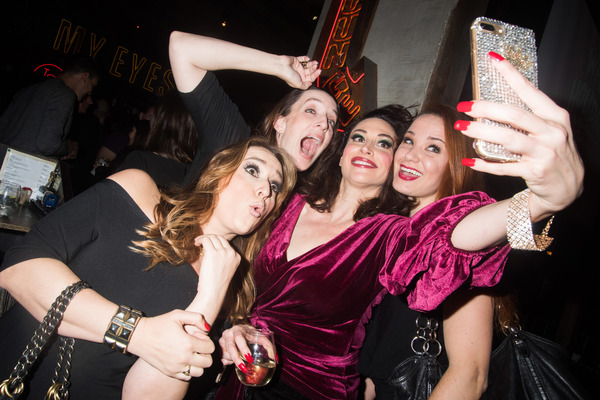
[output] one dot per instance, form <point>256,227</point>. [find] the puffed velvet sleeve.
<point>428,267</point>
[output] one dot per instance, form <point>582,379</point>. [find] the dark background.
<point>558,290</point>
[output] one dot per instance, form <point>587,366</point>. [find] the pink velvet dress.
<point>317,304</point>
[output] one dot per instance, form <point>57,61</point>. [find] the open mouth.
<point>309,145</point>
<point>410,171</point>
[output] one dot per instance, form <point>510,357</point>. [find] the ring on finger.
<point>304,64</point>
<point>188,371</point>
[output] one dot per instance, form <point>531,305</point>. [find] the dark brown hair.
<point>323,182</point>
<point>172,132</point>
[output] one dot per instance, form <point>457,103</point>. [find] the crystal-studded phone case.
<point>517,45</point>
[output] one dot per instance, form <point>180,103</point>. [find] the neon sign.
<point>48,70</point>
<point>125,63</point>
<point>350,78</point>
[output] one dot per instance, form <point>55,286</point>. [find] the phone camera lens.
<point>487,27</point>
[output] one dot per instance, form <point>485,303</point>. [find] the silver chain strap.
<point>13,386</point>
<point>425,342</point>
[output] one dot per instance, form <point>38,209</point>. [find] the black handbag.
<point>13,386</point>
<point>523,367</point>
<point>415,377</point>
<point>526,366</point>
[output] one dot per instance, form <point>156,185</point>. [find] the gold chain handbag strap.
<point>13,386</point>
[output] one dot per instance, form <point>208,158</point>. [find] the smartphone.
<point>515,44</point>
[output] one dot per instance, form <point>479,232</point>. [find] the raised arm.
<point>468,328</point>
<point>191,56</point>
<point>550,164</point>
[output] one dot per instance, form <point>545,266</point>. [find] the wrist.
<point>121,328</point>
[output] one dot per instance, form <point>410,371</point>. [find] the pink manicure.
<point>243,368</point>
<point>461,125</point>
<point>468,162</point>
<point>496,56</point>
<point>464,106</point>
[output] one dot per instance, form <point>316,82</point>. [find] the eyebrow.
<point>429,137</point>
<point>320,101</point>
<point>378,135</point>
<point>264,163</point>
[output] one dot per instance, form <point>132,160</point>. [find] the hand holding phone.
<point>517,45</point>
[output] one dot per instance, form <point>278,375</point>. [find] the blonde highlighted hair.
<point>181,212</point>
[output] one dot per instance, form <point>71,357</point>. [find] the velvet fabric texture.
<point>317,304</point>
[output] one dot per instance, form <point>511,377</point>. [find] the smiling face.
<point>421,160</point>
<point>369,154</point>
<point>249,197</point>
<point>307,130</point>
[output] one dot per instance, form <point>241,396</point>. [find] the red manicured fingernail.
<point>243,368</point>
<point>277,358</point>
<point>468,162</point>
<point>461,125</point>
<point>249,358</point>
<point>464,106</point>
<point>496,56</point>
<point>207,326</point>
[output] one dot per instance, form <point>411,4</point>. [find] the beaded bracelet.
<point>518,225</point>
<point>121,328</point>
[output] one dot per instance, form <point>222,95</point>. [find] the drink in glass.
<point>262,350</point>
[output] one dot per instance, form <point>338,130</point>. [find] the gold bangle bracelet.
<point>121,327</point>
<point>518,225</point>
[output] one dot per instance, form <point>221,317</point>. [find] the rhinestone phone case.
<point>517,45</point>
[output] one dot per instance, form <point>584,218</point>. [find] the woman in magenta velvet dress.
<point>334,251</point>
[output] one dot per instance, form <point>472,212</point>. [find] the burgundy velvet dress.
<point>317,304</point>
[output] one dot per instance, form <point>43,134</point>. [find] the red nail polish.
<point>468,162</point>
<point>496,56</point>
<point>464,106</point>
<point>243,368</point>
<point>207,326</point>
<point>461,125</point>
<point>249,358</point>
<point>277,358</point>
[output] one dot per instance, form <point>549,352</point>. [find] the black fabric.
<point>39,118</point>
<point>416,377</point>
<point>387,342</point>
<point>164,171</point>
<point>218,121</point>
<point>92,233</point>
<point>526,366</point>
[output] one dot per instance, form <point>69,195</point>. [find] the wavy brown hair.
<point>181,212</point>
<point>323,182</point>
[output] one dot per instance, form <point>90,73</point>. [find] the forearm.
<point>481,229</point>
<point>146,382</point>
<point>36,283</point>
<point>192,55</point>
<point>468,329</point>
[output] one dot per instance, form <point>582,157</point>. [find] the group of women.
<point>379,211</point>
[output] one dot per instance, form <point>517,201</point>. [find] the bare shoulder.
<point>141,187</point>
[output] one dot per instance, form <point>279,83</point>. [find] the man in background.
<point>38,119</point>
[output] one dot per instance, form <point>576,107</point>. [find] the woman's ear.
<point>279,124</point>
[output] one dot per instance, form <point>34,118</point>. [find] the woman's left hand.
<point>300,72</point>
<point>217,265</point>
<point>550,163</point>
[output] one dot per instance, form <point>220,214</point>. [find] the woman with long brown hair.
<point>147,250</point>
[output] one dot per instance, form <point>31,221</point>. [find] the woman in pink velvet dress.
<point>336,249</point>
